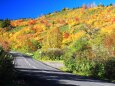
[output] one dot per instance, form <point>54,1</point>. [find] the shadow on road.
<point>36,77</point>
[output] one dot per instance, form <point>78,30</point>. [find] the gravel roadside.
<point>54,64</point>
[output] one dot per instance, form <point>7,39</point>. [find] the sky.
<point>16,9</point>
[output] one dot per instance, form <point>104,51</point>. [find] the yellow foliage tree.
<point>53,38</point>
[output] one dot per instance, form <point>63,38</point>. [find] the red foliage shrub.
<point>66,35</point>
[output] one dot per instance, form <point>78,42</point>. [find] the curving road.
<point>36,73</point>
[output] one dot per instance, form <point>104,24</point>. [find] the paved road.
<point>36,73</point>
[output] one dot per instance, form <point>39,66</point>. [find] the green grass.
<point>113,81</point>
<point>73,72</point>
<point>64,69</point>
<point>61,61</point>
<point>64,28</point>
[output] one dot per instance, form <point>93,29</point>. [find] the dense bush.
<point>98,69</point>
<point>110,68</point>
<point>52,54</point>
<point>70,63</point>
<point>6,68</point>
<point>74,52</point>
<point>80,57</point>
<point>5,23</point>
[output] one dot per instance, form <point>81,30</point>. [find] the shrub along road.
<point>36,73</point>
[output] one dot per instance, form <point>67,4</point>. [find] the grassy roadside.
<point>64,69</point>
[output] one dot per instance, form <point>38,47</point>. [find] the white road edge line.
<point>30,64</point>
<point>102,84</point>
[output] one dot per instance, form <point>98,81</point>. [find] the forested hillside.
<point>83,37</point>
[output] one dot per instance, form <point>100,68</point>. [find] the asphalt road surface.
<point>36,73</point>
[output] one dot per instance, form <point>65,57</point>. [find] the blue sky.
<point>15,9</point>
